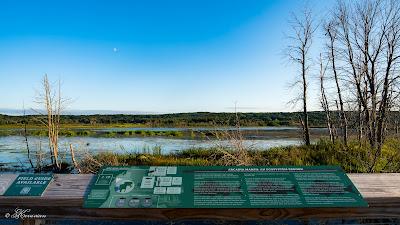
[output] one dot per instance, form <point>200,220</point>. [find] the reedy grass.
<point>352,159</point>
<point>92,133</point>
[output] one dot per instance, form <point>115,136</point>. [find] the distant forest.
<point>317,119</point>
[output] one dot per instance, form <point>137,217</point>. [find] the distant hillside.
<point>317,119</point>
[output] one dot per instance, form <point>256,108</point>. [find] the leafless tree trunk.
<point>330,29</point>
<point>73,158</point>
<point>26,139</point>
<point>298,53</point>
<point>360,121</point>
<point>325,103</point>
<point>53,103</point>
<point>367,34</point>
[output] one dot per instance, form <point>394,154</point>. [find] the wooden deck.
<point>64,198</point>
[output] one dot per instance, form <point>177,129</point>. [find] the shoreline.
<point>322,152</point>
<point>250,132</point>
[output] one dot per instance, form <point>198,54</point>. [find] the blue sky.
<point>151,56</point>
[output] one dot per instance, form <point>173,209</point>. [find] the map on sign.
<point>222,187</point>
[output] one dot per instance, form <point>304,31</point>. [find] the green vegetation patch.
<point>353,159</point>
<point>198,119</point>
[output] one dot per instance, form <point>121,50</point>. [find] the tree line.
<point>358,69</point>
<point>317,119</point>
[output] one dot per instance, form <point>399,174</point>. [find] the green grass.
<point>351,159</point>
<point>142,133</point>
<point>354,158</point>
<point>91,133</point>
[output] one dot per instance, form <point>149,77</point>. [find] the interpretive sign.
<point>29,185</point>
<point>222,187</point>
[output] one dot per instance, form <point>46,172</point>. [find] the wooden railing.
<point>64,198</point>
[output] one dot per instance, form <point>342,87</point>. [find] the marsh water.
<point>13,150</point>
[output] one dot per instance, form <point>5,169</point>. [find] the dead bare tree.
<point>298,53</point>
<point>53,104</point>
<point>234,152</point>
<point>76,165</point>
<point>325,103</point>
<point>25,133</point>
<point>331,32</point>
<point>365,34</point>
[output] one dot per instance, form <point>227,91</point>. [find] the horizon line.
<point>33,112</point>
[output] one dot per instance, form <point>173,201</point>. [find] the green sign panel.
<point>222,187</point>
<point>29,185</point>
